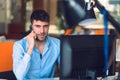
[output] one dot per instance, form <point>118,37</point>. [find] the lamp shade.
<point>75,14</point>
<point>89,15</point>
<point>72,12</point>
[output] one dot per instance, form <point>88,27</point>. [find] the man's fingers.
<point>34,34</point>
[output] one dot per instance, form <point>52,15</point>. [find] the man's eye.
<point>37,25</point>
<point>46,26</point>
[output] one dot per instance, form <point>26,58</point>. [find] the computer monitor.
<point>82,56</point>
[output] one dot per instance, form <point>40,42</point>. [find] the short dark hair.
<point>40,14</point>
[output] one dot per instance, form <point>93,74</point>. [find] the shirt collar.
<point>46,47</point>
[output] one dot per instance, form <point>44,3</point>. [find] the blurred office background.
<point>15,21</point>
<point>14,16</point>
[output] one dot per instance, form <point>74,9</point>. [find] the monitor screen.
<point>83,55</point>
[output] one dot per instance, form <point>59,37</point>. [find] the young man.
<point>35,56</point>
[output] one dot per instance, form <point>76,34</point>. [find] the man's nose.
<point>41,29</point>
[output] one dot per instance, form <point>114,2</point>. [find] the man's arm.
<point>21,58</point>
<point>21,61</point>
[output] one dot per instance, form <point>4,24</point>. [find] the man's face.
<point>41,29</point>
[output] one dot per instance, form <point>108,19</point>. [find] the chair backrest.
<point>6,49</point>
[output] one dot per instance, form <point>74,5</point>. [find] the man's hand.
<point>31,42</point>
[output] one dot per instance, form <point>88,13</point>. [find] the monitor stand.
<point>90,75</point>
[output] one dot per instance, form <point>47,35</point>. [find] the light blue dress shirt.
<point>35,66</point>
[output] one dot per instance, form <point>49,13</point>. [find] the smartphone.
<point>32,30</point>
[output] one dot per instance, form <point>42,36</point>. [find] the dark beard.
<point>38,39</point>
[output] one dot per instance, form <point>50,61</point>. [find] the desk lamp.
<point>77,12</point>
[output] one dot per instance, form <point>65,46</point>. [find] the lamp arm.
<point>110,18</point>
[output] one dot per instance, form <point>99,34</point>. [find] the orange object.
<point>100,32</point>
<point>68,31</point>
<point>6,49</point>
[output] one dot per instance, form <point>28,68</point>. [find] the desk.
<point>99,78</point>
<point>57,78</point>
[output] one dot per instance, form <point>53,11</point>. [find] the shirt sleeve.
<point>21,61</point>
<point>59,53</point>
<point>59,59</point>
